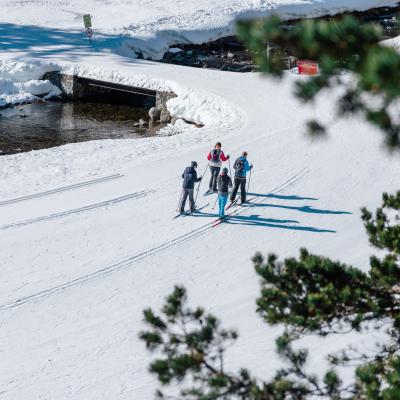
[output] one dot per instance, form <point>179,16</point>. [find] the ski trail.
<point>61,189</point>
<point>257,200</point>
<point>135,258</point>
<point>292,183</point>
<point>279,189</point>
<point>135,195</point>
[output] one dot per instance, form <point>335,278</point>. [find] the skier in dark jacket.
<point>224,183</point>
<point>189,177</point>
<point>241,167</point>
<point>215,158</point>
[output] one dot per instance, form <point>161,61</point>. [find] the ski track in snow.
<point>295,179</point>
<point>136,195</point>
<point>61,189</point>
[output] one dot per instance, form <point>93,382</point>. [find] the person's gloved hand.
<point>251,166</point>
<point>228,156</point>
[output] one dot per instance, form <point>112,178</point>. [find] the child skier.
<point>215,158</point>
<point>189,177</point>
<point>224,183</point>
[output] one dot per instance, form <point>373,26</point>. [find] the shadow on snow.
<point>257,220</point>
<point>42,42</point>
<point>281,197</point>
<point>305,209</point>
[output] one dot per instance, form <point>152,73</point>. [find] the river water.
<point>44,125</point>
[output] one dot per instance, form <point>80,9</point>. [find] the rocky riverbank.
<point>229,54</point>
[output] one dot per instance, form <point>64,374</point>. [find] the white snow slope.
<point>87,239</point>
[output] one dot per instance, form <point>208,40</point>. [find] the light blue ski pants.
<point>222,200</point>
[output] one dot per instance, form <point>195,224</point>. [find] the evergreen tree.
<point>371,86</point>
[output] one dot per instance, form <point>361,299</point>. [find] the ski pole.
<point>198,187</point>
<point>180,200</point>
<point>215,202</point>
<point>248,185</point>
<point>229,163</point>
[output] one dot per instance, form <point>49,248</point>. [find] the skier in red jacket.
<point>215,158</point>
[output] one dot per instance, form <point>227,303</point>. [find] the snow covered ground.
<point>151,25</point>
<point>87,236</point>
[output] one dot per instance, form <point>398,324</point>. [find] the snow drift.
<point>19,81</point>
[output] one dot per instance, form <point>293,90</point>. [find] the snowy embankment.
<point>87,239</point>
<point>20,82</point>
<point>153,39</point>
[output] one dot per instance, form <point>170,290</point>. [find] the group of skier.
<point>220,181</point>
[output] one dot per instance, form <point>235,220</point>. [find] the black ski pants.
<point>185,194</point>
<point>214,177</point>
<point>239,182</point>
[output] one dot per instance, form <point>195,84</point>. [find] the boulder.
<point>165,117</point>
<point>154,113</point>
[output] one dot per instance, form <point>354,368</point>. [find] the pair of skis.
<point>219,221</point>
<point>186,213</point>
<point>232,204</point>
<point>230,214</point>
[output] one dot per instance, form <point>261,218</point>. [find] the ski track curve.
<point>61,189</point>
<point>136,195</point>
<point>299,176</point>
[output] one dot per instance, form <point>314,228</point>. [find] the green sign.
<point>87,20</point>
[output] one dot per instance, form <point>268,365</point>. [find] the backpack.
<point>239,166</point>
<point>215,154</point>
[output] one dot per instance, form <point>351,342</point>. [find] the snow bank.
<point>37,87</point>
<point>201,108</point>
<point>129,78</point>
<point>213,21</point>
<point>21,92</point>
<point>19,81</point>
<point>23,71</point>
<point>394,42</point>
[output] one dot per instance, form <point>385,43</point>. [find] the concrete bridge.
<point>77,88</point>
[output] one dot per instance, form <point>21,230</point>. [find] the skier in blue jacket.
<point>189,177</point>
<point>241,167</point>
